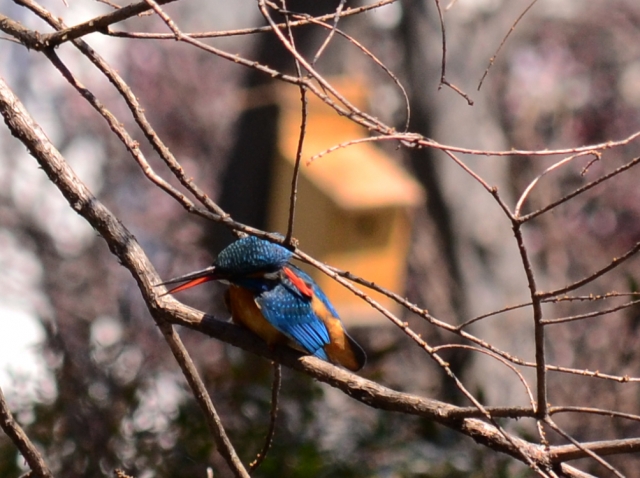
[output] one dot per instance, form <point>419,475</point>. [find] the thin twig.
<point>509,308</point>
<point>576,285</point>
<point>303,131</point>
<point>332,31</point>
<point>530,187</point>
<point>505,362</point>
<point>594,411</point>
<point>417,140</point>
<point>589,315</point>
<point>583,448</point>
<point>562,453</point>
<point>140,118</point>
<point>304,20</point>
<point>443,66</point>
<point>590,298</point>
<point>350,110</point>
<point>592,374</point>
<point>22,442</point>
<point>204,400</point>
<point>122,134</point>
<point>539,338</point>
<point>273,414</point>
<point>584,188</point>
<point>375,59</point>
<point>166,19</point>
<point>504,40</point>
<point>96,24</point>
<point>493,190</point>
<point>402,137</point>
<point>111,4</point>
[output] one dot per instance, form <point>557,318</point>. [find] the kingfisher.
<point>278,301</point>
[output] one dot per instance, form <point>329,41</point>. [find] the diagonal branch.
<point>120,241</point>
<point>102,23</point>
<point>14,431</point>
<point>273,415</point>
<point>138,115</point>
<point>97,24</point>
<point>576,285</point>
<point>202,397</point>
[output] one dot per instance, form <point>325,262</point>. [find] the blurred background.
<point>80,355</point>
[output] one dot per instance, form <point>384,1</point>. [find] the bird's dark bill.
<point>190,284</point>
<point>192,279</point>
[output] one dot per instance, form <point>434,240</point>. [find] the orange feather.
<point>246,312</point>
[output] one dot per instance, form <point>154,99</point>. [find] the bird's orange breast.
<point>245,311</point>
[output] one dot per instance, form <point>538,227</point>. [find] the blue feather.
<point>317,291</point>
<point>251,255</point>
<point>291,313</point>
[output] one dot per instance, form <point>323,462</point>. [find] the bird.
<point>278,301</point>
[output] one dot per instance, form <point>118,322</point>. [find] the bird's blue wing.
<point>291,313</point>
<point>315,288</point>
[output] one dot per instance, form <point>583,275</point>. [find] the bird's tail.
<point>357,353</point>
<point>346,352</point>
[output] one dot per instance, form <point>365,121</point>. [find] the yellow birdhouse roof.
<point>358,176</point>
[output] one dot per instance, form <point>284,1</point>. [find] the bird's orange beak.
<point>190,280</point>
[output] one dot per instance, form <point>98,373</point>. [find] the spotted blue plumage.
<point>250,255</point>
<point>291,312</point>
<point>317,291</point>
<point>277,301</point>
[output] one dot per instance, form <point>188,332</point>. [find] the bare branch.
<point>576,285</point>
<point>121,242</point>
<point>581,190</point>
<point>303,131</point>
<point>539,334</point>
<point>588,315</point>
<point>140,118</point>
<point>95,24</point>
<point>273,414</point>
<point>20,439</point>
<point>593,451</point>
<point>478,420</point>
<point>530,187</point>
<point>332,31</point>
<point>204,400</point>
<point>305,20</point>
<point>594,411</point>
<point>504,40</point>
<point>443,66</point>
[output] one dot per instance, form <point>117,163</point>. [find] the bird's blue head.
<point>251,255</point>
<point>245,262</point>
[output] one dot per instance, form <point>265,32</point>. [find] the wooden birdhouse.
<point>353,205</point>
